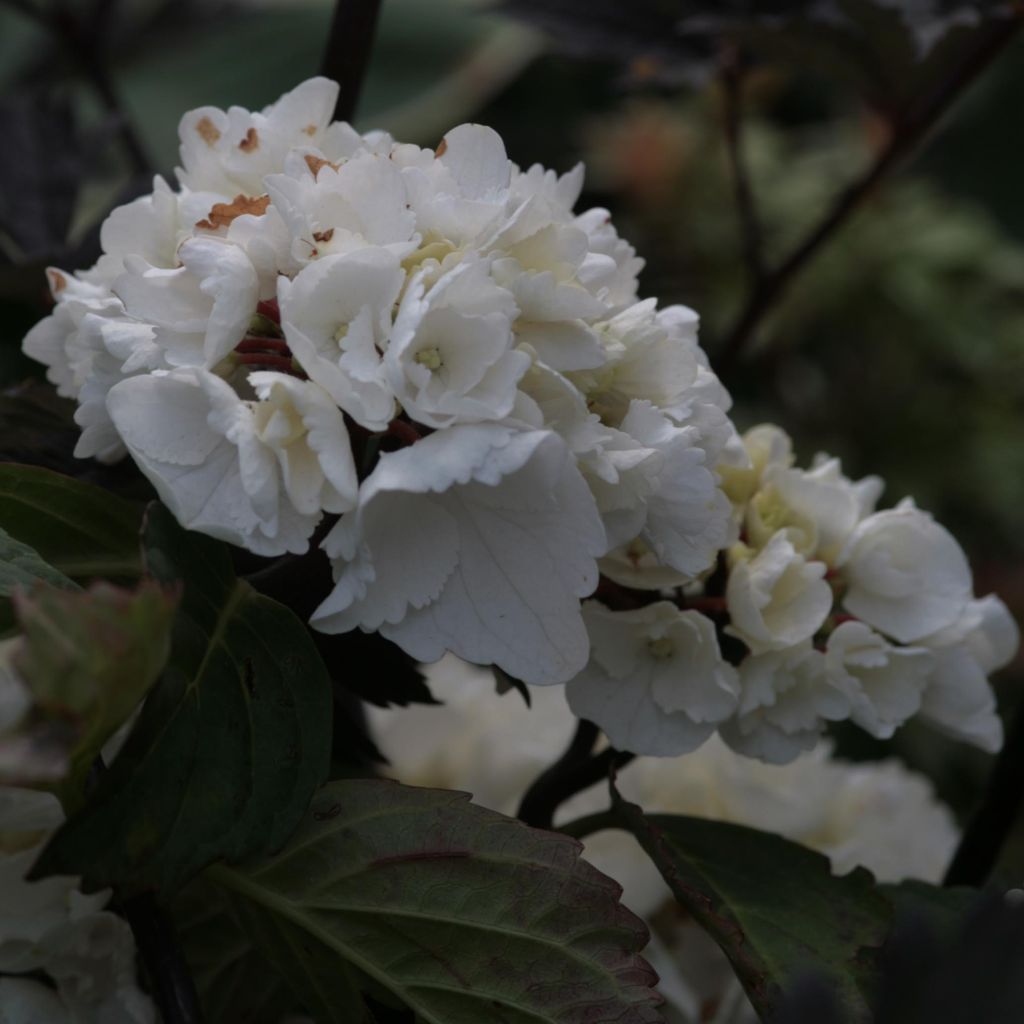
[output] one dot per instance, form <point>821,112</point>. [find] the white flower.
<point>620,289</point>
<point>766,445</point>
<point>151,227</point>
<point>200,310</point>
<point>51,926</point>
<point>477,539</point>
<point>231,152</point>
<point>785,699</point>
<point>671,500</point>
<point>460,194</point>
<point>494,746</point>
<point>776,598</point>
<point>56,340</point>
<point>885,682</point>
<point>329,210</point>
<point>336,317</point>
<point>636,565</point>
<point>451,359</point>
<point>656,682</point>
<point>958,698</point>
<point>906,575</point>
<point>818,508</point>
<point>253,473</point>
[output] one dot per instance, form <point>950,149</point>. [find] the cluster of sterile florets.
<point>429,343</point>
<point>828,610</point>
<point>432,348</point>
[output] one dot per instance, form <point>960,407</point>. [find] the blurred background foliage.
<point>900,347</point>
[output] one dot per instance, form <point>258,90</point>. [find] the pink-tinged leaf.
<point>462,914</point>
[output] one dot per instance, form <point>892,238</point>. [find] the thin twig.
<point>746,208</point>
<point>576,770</point>
<point>347,54</point>
<point>994,820</point>
<point>915,125</point>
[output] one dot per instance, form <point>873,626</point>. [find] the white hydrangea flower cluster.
<point>51,927</point>
<point>430,343</point>
<point>432,346</point>
<point>841,612</point>
<point>849,612</point>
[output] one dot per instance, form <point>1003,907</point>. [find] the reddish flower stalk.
<point>254,344</point>
<point>405,432</point>
<point>268,361</point>
<point>269,309</point>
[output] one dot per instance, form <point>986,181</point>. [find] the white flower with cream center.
<point>656,682</point>
<point>777,598</point>
<point>256,473</point>
<point>450,359</point>
<point>885,682</point>
<point>479,540</point>
<point>337,317</point>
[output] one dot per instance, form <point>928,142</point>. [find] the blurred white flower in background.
<point>878,814</point>
<point>49,926</point>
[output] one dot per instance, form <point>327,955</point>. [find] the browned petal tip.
<point>222,214</point>
<point>207,131</point>
<point>251,142</point>
<point>314,163</point>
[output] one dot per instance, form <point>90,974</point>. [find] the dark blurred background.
<point>899,346</point>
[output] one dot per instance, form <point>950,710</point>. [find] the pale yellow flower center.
<point>430,358</point>
<point>661,648</point>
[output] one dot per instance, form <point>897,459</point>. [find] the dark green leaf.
<point>462,914</point>
<point>961,967</point>
<point>36,425</point>
<point>231,743</point>
<point>21,568</point>
<point>773,906</point>
<point>87,659</point>
<point>235,981</point>
<point>81,530</point>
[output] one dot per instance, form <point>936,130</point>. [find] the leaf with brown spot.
<point>222,214</point>
<point>461,914</point>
